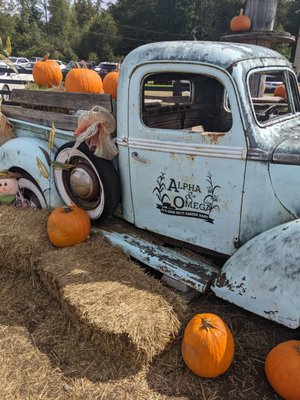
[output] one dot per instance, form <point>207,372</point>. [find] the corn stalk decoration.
<point>5,52</point>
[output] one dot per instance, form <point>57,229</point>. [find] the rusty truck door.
<point>187,153</point>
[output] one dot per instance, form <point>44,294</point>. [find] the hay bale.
<point>112,300</point>
<point>23,237</point>
<point>109,297</point>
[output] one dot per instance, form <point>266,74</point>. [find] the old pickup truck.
<point>207,178</point>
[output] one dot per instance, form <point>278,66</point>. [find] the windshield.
<point>274,95</point>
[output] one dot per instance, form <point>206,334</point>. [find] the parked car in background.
<point>272,81</point>
<point>34,59</point>
<point>105,67</point>
<point>29,67</point>
<point>18,60</point>
<point>17,80</point>
<point>76,64</point>
<point>61,64</point>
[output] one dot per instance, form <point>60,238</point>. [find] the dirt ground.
<point>43,356</point>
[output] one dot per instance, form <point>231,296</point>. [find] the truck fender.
<point>29,155</point>
<point>263,276</point>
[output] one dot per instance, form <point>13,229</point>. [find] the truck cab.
<point>214,165</point>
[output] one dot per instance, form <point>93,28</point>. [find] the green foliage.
<point>100,36</point>
<point>92,56</point>
<point>285,50</point>
<point>83,29</point>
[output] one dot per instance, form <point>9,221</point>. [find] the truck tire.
<point>31,191</point>
<point>92,184</point>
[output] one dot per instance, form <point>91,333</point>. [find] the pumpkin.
<point>83,80</point>
<point>282,368</point>
<point>280,91</point>
<point>110,83</point>
<point>47,72</point>
<point>207,345</point>
<point>68,225</point>
<point>240,23</point>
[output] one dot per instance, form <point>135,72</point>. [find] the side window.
<point>269,96</point>
<point>185,101</point>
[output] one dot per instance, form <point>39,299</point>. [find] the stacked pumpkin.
<point>47,72</point>
<point>240,23</point>
<point>83,80</point>
<point>280,91</point>
<point>110,83</point>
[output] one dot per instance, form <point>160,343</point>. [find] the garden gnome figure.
<point>8,187</point>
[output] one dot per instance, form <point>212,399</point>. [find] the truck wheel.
<point>31,191</point>
<point>92,184</point>
<point>6,96</point>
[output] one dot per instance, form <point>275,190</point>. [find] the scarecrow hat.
<point>5,174</point>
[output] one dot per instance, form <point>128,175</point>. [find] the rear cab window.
<point>179,101</point>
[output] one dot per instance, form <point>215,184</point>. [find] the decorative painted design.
<point>186,199</point>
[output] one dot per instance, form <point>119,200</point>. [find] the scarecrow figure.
<point>8,187</point>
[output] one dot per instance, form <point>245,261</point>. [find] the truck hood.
<point>284,171</point>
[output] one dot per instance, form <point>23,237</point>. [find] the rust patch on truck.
<point>212,137</point>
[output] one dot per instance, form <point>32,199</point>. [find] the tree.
<point>84,10</point>
<point>101,36</point>
<point>62,28</point>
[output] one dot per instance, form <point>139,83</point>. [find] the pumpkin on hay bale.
<point>282,368</point>
<point>68,225</point>
<point>280,91</point>
<point>47,72</point>
<point>83,80</point>
<point>110,83</point>
<point>207,345</point>
<point>240,23</point>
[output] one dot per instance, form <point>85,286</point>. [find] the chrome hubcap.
<point>84,182</point>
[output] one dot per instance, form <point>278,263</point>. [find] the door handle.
<point>136,157</point>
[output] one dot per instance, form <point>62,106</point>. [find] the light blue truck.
<point>207,178</point>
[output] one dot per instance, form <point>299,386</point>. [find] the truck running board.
<point>189,270</point>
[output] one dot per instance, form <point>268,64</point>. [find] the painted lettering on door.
<point>186,199</point>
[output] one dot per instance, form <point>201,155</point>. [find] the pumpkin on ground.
<point>207,346</point>
<point>68,225</point>
<point>280,91</point>
<point>47,72</point>
<point>240,23</point>
<point>110,83</point>
<point>282,367</point>
<point>83,80</point>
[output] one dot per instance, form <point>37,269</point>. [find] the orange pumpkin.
<point>110,83</point>
<point>83,80</point>
<point>282,368</point>
<point>280,91</point>
<point>207,345</point>
<point>47,72</point>
<point>240,23</point>
<point>68,225</point>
